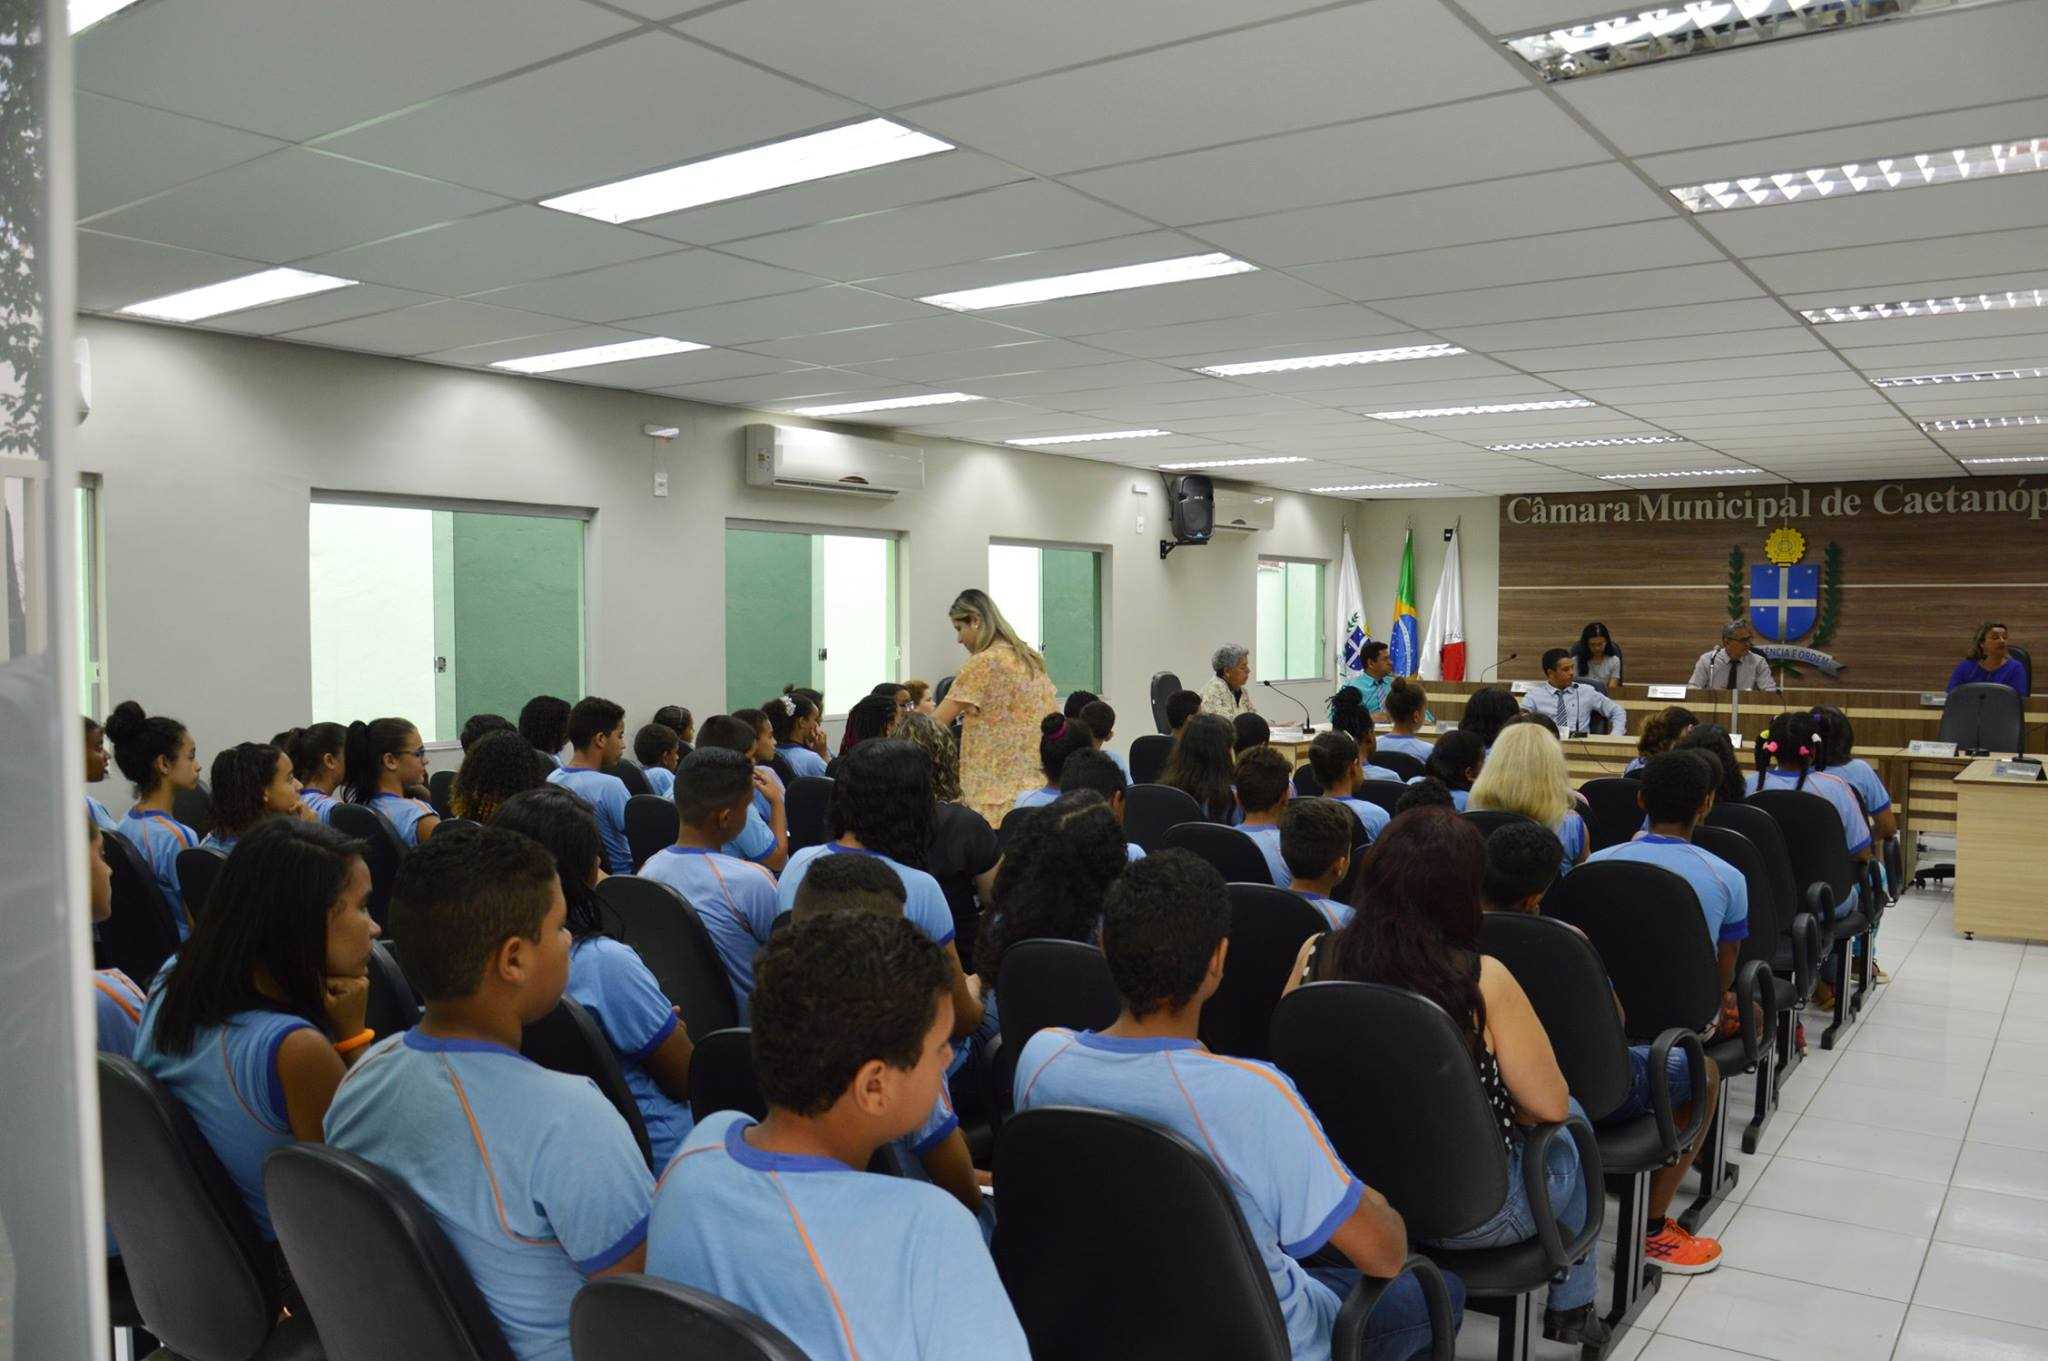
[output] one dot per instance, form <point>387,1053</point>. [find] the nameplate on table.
<point>1445,725</point>
<point>1287,735</point>
<point>1520,687</point>
<point>1924,748</point>
<point>1667,692</point>
<point>2017,770</point>
<point>1933,699</point>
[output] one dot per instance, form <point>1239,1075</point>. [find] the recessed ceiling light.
<point>1489,409</point>
<point>1087,439</point>
<point>1180,270</point>
<point>799,160</point>
<point>1332,361</point>
<point>1227,463</point>
<point>1585,443</point>
<point>2017,458</point>
<point>648,348</point>
<point>884,404</point>
<point>236,295</point>
<point>1979,376</point>
<point>1698,27</point>
<point>1981,423</point>
<point>1690,472</point>
<point>1867,177</point>
<point>2011,300</point>
<point>1376,486</point>
<point>83,14</point>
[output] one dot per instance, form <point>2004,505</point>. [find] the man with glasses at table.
<point>1733,665</point>
<point>1570,705</point>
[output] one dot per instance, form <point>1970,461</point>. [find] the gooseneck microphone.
<point>1499,664</point>
<point>1308,727</point>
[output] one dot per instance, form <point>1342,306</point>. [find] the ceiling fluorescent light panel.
<point>1038,440</point>
<point>1331,361</point>
<point>1979,376</point>
<point>1690,472</point>
<point>649,348</point>
<point>1981,423</point>
<point>1227,463</point>
<point>1376,486</point>
<point>1868,177</point>
<point>2011,300</point>
<point>2017,458</point>
<point>885,404</point>
<point>1490,409</point>
<point>1584,443</point>
<point>236,295</point>
<point>1183,269</point>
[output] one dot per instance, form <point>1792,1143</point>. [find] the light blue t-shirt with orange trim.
<point>802,760</point>
<point>101,818</point>
<point>612,983</point>
<point>661,781</point>
<point>117,1011</point>
<point>926,907</point>
<point>1720,887</point>
<point>606,795</point>
<point>1267,838</point>
<point>321,804</point>
<point>795,1239</point>
<point>1247,1116</point>
<point>1369,814</point>
<point>1571,834</point>
<point>229,1081</point>
<point>734,898</point>
<point>1418,747</point>
<point>1335,913</point>
<point>159,838</point>
<point>1036,798</point>
<point>531,1174</point>
<point>756,839</point>
<point>404,814</point>
<point>1459,797</point>
<point>1837,791</point>
<point>1859,776</point>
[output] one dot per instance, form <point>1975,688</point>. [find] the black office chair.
<point>1385,793</point>
<point>1400,762</point>
<point>1149,809</point>
<point>1361,842</point>
<point>143,929</point>
<point>722,1075</point>
<point>1164,686</point>
<point>1267,928</point>
<point>1390,1078</point>
<point>807,804</point>
<point>1982,716</point>
<point>2026,661</point>
<point>1148,757</point>
<point>383,852</point>
<point>201,1277</point>
<point>631,1318</point>
<point>1813,841</point>
<point>1046,983</point>
<point>1613,814</point>
<point>1803,946</point>
<point>194,807</point>
<point>1120,1240</point>
<point>393,1004</point>
<point>568,1040</point>
<point>441,792</point>
<point>671,941</point>
<point>456,824</point>
<point>1306,785</point>
<point>198,868</point>
<point>652,824</point>
<point>1768,936</point>
<point>631,776</point>
<point>1236,856</point>
<point>379,1276</point>
<point>1490,820</point>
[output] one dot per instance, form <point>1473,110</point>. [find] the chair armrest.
<point>1820,905</point>
<point>1535,1177</point>
<point>1669,1136</point>
<point>1805,933</point>
<point>1347,1339</point>
<point>1753,997</point>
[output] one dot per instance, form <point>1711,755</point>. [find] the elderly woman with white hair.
<point>1229,693</point>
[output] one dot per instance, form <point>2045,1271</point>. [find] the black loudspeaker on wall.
<point>1190,511</point>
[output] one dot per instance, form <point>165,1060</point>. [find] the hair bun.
<point>1348,698</point>
<point>1050,725</point>
<point>125,721</point>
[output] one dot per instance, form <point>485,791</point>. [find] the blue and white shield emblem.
<point>1783,601</point>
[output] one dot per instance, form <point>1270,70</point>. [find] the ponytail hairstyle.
<point>1838,737</point>
<point>1058,738</point>
<point>784,713</point>
<point>1348,713</point>
<point>240,776</point>
<point>1453,753</point>
<point>140,741</point>
<point>562,824</point>
<point>676,718</point>
<point>1793,740</point>
<point>312,746</point>
<point>362,755</point>
<point>868,719</point>
<point>1405,700</point>
<point>1663,730</point>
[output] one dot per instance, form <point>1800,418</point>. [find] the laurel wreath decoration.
<point>1737,583</point>
<point>1830,595</point>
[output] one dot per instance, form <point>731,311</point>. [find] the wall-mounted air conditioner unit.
<point>1243,509</point>
<point>822,460</point>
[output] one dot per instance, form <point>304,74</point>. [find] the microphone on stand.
<point>1308,727</point>
<point>1497,665</point>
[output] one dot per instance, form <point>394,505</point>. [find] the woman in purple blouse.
<point>1990,660</point>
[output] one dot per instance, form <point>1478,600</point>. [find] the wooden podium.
<point>2001,854</point>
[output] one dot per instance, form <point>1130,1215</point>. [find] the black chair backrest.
<point>379,1275</point>
<point>1149,809</point>
<point>393,1005</point>
<point>1613,815</point>
<point>568,1040</point>
<point>197,870</point>
<point>1083,1194</point>
<point>2026,661</point>
<point>441,792</point>
<point>1982,714</point>
<point>1053,982</point>
<point>1647,925</point>
<point>1568,987</point>
<point>1164,686</point>
<point>630,1318</point>
<point>940,690</point>
<point>806,803</point>
<point>1148,757</point>
<point>1490,820</point>
<point>1236,856</point>
<point>143,930</point>
<point>194,807</point>
<point>1306,785</point>
<point>1363,1054</point>
<point>1765,925</point>
<point>652,823</point>
<point>199,1273</point>
<point>722,1075</point>
<point>1385,793</point>
<point>1813,837</point>
<point>670,939</point>
<point>630,775</point>
<point>451,824</point>
<point>1267,927</point>
<point>1400,762</point>
<point>383,856</point>
<point>1761,830</point>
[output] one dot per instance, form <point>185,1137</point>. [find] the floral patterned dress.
<point>999,741</point>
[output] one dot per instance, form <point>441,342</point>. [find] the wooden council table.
<point>2001,837</point>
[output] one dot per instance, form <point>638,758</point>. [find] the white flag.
<point>1351,632</point>
<point>1443,647</point>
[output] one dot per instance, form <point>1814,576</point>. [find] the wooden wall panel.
<point>1918,576</point>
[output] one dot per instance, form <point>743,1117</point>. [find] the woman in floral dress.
<point>999,695</point>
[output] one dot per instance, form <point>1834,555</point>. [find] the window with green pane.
<point>817,610</point>
<point>1290,621</point>
<point>1053,598</point>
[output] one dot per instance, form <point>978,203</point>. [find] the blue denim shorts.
<point>1638,1102</point>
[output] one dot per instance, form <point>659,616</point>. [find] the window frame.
<point>92,593</point>
<point>1325,669</point>
<point>812,529</point>
<point>1103,559</point>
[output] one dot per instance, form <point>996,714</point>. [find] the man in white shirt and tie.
<point>1732,665</point>
<point>1570,705</point>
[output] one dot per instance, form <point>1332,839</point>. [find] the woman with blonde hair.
<point>937,743</point>
<point>1525,773</point>
<point>999,695</point>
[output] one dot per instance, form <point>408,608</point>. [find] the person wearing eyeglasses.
<point>1597,657</point>
<point>1567,703</point>
<point>1733,665</point>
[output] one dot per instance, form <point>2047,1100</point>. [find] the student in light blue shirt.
<point>1058,738</point>
<point>765,837</point>
<point>1165,929</point>
<point>1099,718</point>
<point>1334,758</point>
<point>1789,755</point>
<point>1407,712</point>
<point>252,781</point>
<point>658,750</point>
<point>1455,761</point>
<point>1350,719</point>
<point>1838,741</point>
<point>597,731</point>
<point>156,753</point>
<point>1097,771</point>
<point>1316,840</point>
<point>116,1001</point>
<point>95,771</point>
<point>532,1174</point>
<point>793,718</point>
<point>1265,783</point>
<point>851,1026</point>
<point>317,753</point>
<point>734,898</point>
<point>382,763</point>
<point>251,1028</point>
<point>606,977</point>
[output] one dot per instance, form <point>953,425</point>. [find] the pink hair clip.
<point>1770,747</point>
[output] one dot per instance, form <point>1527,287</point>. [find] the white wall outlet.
<point>661,482</point>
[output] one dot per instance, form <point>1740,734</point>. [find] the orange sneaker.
<point>1681,1253</point>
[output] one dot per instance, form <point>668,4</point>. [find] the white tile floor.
<point>1898,1207</point>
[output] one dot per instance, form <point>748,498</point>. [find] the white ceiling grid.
<point>1397,177</point>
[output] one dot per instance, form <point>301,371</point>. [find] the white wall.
<point>1377,531</point>
<point>210,446</point>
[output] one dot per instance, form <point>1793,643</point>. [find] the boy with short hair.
<point>1522,861</point>
<point>734,898</point>
<point>1264,783</point>
<point>1181,706</point>
<point>1166,922</point>
<point>1100,719</point>
<point>532,1174</point>
<point>544,723</point>
<point>1251,731</point>
<point>849,883</point>
<point>764,837</point>
<point>1095,770</point>
<point>597,731</point>
<point>1334,758</point>
<point>850,1044</point>
<point>658,751</point>
<point>1315,843</point>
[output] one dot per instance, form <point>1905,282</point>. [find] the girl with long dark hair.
<point>251,781</point>
<point>1201,763</point>
<point>317,758</point>
<point>383,761</point>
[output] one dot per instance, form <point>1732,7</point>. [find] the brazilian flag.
<point>1404,642</point>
